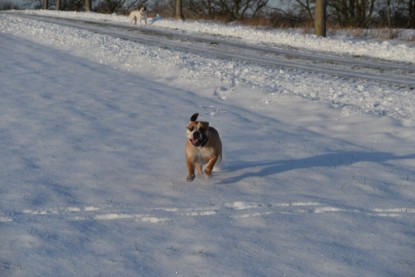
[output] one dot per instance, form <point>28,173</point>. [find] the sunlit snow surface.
<point>318,176</point>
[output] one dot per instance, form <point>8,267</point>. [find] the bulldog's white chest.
<point>203,154</point>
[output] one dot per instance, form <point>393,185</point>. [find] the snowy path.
<point>274,56</point>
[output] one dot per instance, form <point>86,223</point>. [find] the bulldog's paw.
<point>207,176</point>
<point>208,173</point>
<point>190,178</point>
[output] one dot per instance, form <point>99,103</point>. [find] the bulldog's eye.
<point>191,128</point>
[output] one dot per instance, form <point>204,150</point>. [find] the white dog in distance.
<point>139,15</point>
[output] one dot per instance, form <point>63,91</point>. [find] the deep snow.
<point>93,174</point>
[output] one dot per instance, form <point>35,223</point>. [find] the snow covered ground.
<point>318,177</point>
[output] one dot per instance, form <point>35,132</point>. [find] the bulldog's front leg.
<point>210,165</point>
<point>190,170</point>
<point>199,168</point>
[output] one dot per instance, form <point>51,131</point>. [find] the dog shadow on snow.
<point>329,160</point>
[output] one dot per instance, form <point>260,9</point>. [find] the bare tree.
<point>388,13</point>
<point>109,6</point>
<point>45,4</point>
<point>227,9</point>
<point>209,8</point>
<point>320,18</point>
<point>305,6</point>
<point>121,6</point>
<point>258,6</point>
<point>8,5</point>
<point>402,13</point>
<point>74,5</point>
<point>238,9</point>
<point>357,13</point>
<point>411,13</point>
<point>88,5</point>
<point>179,10</point>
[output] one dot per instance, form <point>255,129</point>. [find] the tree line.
<point>365,13</point>
<point>282,13</point>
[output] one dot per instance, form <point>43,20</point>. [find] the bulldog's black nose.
<point>196,134</point>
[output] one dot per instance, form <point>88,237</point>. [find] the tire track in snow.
<point>233,210</point>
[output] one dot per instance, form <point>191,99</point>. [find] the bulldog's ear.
<point>194,117</point>
<point>205,124</point>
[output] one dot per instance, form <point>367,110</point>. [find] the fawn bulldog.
<point>203,147</point>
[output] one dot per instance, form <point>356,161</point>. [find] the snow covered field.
<point>318,177</point>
